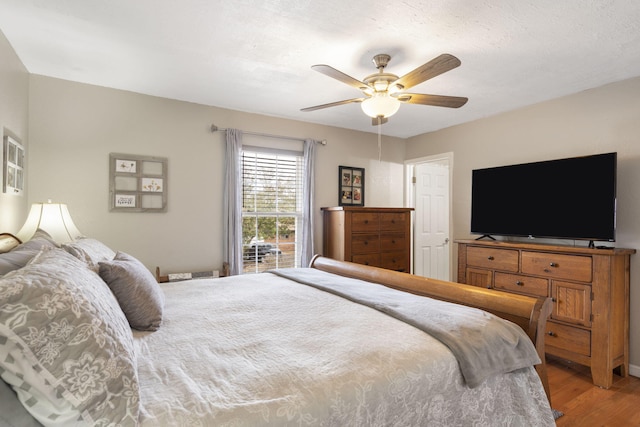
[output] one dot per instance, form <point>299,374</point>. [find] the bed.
<point>334,344</point>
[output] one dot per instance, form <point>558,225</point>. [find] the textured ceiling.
<point>255,56</point>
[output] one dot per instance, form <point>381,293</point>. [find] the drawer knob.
<point>490,258</point>
<point>366,242</point>
<point>366,221</point>
<point>551,334</point>
<point>519,283</point>
<point>393,242</point>
<point>553,264</point>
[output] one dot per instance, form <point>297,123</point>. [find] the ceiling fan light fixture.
<point>380,104</point>
<point>383,92</point>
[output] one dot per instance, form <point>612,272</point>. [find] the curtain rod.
<point>215,128</point>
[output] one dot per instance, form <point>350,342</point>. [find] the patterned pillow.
<point>136,290</point>
<point>65,345</point>
<point>91,251</point>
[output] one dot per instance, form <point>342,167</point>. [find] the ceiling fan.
<point>384,92</point>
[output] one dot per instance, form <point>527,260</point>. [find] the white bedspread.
<point>263,350</point>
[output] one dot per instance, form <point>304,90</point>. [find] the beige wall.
<point>14,92</point>
<point>74,127</point>
<point>600,120</point>
<point>70,129</point>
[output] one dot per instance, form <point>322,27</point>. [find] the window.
<point>271,208</point>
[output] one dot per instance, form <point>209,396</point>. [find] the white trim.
<point>634,370</point>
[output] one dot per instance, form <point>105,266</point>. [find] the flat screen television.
<point>572,198</point>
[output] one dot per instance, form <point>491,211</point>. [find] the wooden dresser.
<point>380,237</point>
<point>589,288</point>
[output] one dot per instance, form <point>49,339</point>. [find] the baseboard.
<point>634,370</point>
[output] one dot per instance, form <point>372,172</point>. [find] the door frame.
<point>409,168</point>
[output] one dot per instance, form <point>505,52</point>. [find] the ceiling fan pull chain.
<point>379,138</point>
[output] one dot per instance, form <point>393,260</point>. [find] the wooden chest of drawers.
<point>589,323</point>
<point>380,237</point>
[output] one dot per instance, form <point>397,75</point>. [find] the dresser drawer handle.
<point>552,334</point>
<point>490,258</point>
<point>553,264</point>
<point>519,283</point>
<point>366,221</point>
<point>366,242</point>
<point>393,242</point>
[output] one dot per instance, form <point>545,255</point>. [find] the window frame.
<point>279,253</point>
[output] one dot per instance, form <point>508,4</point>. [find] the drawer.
<point>394,260</point>
<point>365,221</point>
<point>497,259</point>
<point>367,259</point>
<point>565,337</point>
<point>365,243</point>
<point>393,241</point>
<point>522,284</point>
<point>393,221</point>
<point>557,266</point>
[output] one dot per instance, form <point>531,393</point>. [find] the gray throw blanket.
<point>483,344</point>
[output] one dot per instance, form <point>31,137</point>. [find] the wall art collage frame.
<point>137,183</point>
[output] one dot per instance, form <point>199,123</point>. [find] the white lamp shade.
<point>54,218</point>
<point>380,104</point>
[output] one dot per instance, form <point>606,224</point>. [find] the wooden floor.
<point>585,405</point>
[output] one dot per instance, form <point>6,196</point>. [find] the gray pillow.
<point>89,250</point>
<point>19,256</point>
<point>65,345</point>
<point>12,413</point>
<point>136,290</point>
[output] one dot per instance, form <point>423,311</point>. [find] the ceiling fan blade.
<point>339,75</point>
<point>435,100</point>
<point>332,104</point>
<point>375,121</point>
<point>431,69</point>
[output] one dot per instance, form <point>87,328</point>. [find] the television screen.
<point>573,198</point>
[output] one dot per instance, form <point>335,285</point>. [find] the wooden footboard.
<point>527,312</point>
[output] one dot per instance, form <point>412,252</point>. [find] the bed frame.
<point>8,241</point>
<point>529,313</point>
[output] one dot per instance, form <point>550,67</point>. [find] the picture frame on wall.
<point>13,166</point>
<point>350,186</point>
<point>137,183</point>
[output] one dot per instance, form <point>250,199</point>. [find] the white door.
<point>431,232</point>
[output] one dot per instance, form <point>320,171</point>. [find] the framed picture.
<point>137,183</point>
<point>13,166</point>
<point>350,186</point>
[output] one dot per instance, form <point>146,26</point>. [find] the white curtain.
<point>306,247</point>
<point>233,201</point>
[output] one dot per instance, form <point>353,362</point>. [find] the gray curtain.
<point>233,201</point>
<point>306,250</point>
